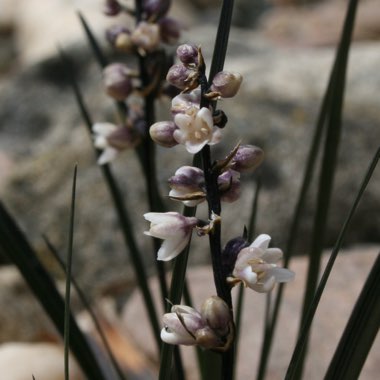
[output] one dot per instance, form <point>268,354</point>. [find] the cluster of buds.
<point>211,328</point>
<point>194,126</point>
<point>154,28</point>
<point>188,183</point>
<point>120,81</point>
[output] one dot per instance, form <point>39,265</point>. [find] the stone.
<point>44,361</point>
<point>333,311</point>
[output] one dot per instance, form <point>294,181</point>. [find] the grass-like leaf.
<point>240,297</point>
<point>299,349</point>
<point>334,125</point>
<point>123,216</point>
<point>360,332</point>
<point>66,335</point>
<point>15,246</point>
<point>89,309</point>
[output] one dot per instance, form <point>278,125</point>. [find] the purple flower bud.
<point>217,314</point>
<point>226,83</point>
<point>178,75</point>
<point>229,186</point>
<point>187,54</point>
<point>231,251</point>
<point>187,185</point>
<point>170,30</point>
<point>112,8</point>
<point>146,36</point>
<point>123,138</point>
<point>162,133</point>
<point>116,80</point>
<point>156,8</point>
<point>247,158</point>
<point>120,38</point>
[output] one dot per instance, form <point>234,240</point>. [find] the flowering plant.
<point>196,124</point>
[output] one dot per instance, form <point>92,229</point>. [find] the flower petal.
<point>171,248</point>
<point>108,155</point>
<point>262,241</point>
<point>272,255</point>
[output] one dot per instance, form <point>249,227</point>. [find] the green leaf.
<point>360,332</point>
<point>66,335</point>
<point>302,339</point>
<point>15,246</point>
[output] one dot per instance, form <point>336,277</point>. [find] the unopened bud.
<point>178,75</point>
<point>229,186</point>
<point>170,30</point>
<point>117,81</point>
<point>187,54</point>
<point>146,36</point>
<point>162,133</point>
<point>247,158</point>
<point>231,251</point>
<point>226,83</point>
<point>220,118</point>
<point>112,8</point>
<point>187,185</point>
<point>155,8</point>
<point>124,138</point>
<point>207,338</point>
<point>217,315</point>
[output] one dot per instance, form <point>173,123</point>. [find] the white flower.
<point>112,139</point>
<point>255,266</point>
<point>174,228</point>
<point>196,129</point>
<point>101,132</point>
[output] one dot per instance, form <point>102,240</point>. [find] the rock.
<point>44,361</point>
<point>19,307</point>
<point>320,23</point>
<point>331,317</point>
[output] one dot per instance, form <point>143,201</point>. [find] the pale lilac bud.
<point>217,315</point>
<point>117,81</point>
<point>247,158</point>
<point>181,331</point>
<point>112,8</point>
<point>187,185</point>
<point>162,133</point>
<point>146,36</point>
<point>156,8</point>
<point>229,186</point>
<point>123,138</point>
<point>226,83</point>
<point>220,118</point>
<point>187,54</point>
<point>170,30</point>
<point>178,75</point>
